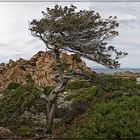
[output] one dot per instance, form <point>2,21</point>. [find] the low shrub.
<point>25,98</point>
<point>117,93</point>
<point>24,131</point>
<point>78,84</point>
<point>13,86</point>
<point>85,94</point>
<point>126,85</point>
<point>118,119</point>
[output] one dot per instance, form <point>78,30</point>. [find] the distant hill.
<point>107,70</point>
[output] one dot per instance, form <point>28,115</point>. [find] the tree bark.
<point>51,108</point>
<point>52,99</point>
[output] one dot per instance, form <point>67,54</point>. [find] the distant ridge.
<point>107,70</point>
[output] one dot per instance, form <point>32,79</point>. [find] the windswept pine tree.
<point>84,33</point>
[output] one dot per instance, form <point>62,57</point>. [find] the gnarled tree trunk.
<point>61,82</point>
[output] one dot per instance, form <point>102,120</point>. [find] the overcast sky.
<point>16,41</point>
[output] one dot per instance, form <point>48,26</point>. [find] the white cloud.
<point>15,40</point>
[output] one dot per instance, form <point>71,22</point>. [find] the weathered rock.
<point>127,74</point>
<point>6,133</point>
<point>39,69</point>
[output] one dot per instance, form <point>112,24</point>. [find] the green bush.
<point>112,83</point>
<point>78,84</point>
<point>13,85</point>
<point>25,130</point>
<point>65,66</point>
<point>15,103</point>
<point>119,118</point>
<point>117,93</point>
<point>85,94</point>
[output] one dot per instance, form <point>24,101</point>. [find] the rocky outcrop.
<point>39,69</point>
<point>127,74</point>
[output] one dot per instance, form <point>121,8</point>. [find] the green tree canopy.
<point>82,32</point>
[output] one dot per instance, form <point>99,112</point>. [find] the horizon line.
<point>115,68</point>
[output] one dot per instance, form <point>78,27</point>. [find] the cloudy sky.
<point>16,41</point>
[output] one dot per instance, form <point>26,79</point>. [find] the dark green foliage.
<point>119,118</point>
<point>85,94</point>
<point>22,110</point>
<point>22,131</point>
<point>110,118</point>
<point>76,57</point>
<point>77,84</point>
<point>117,93</point>
<point>20,106</point>
<point>13,86</point>
<point>65,66</point>
<point>48,89</point>
<point>125,85</point>
<point>16,102</point>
